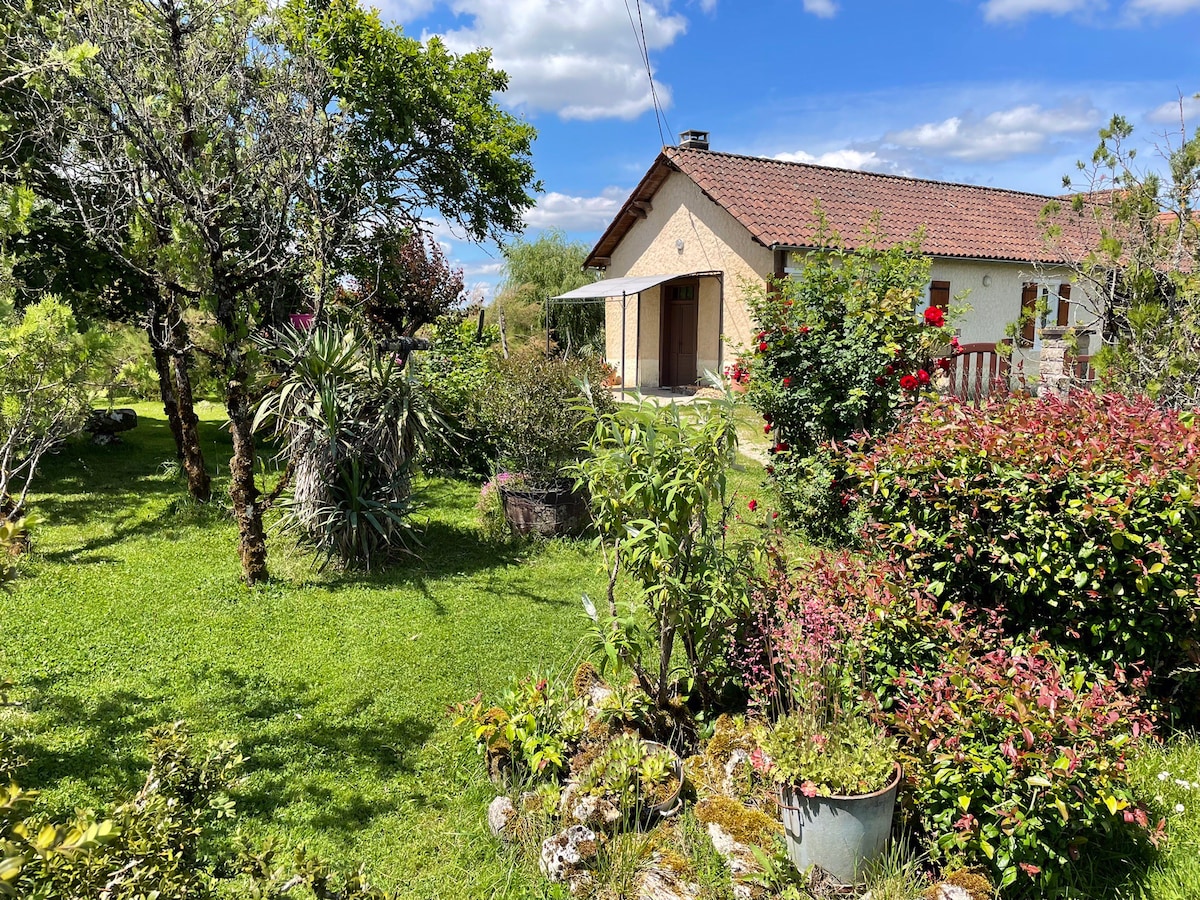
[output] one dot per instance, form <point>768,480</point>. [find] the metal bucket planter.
<point>549,511</point>
<point>839,834</point>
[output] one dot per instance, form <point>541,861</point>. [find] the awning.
<point>619,287</point>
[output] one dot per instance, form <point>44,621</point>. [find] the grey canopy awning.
<point>623,287</point>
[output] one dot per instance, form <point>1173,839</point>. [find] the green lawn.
<point>129,613</point>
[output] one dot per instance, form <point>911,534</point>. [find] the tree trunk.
<point>252,540</point>
<point>190,451</point>
<point>166,390</point>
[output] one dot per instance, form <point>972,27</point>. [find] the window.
<point>939,294</point>
<point>1036,307</point>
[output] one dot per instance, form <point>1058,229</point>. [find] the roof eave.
<point>626,217</point>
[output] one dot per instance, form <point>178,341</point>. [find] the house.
<point>703,224</point>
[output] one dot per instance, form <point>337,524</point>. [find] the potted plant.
<point>640,778</point>
<point>539,424</point>
<point>838,783</point>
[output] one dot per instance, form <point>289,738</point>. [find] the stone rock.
<point>593,811</point>
<point>735,771</point>
<point>566,856</point>
<point>111,421</point>
<point>739,856</point>
<point>501,815</point>
<point>949,892</point>
<point>662,883</point>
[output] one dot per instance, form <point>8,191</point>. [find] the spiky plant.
<point>351,421</point>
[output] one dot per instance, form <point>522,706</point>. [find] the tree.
<point>546,267</point>
<point>44,394</point>
<point>1132,238</point>
<point>403,284</point>
<point>238,139</point>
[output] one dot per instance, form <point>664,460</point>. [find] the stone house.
<point>701,225</point>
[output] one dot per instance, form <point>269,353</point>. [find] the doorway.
<point>680,319</point>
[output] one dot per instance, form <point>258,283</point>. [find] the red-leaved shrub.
<point>1080,518</point>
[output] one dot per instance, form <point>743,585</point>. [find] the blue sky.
<point>1000,92</point>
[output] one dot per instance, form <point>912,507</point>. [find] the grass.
<point>129,612</point>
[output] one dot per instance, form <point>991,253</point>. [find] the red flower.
<point>787,382</point>
<point>944,364</point>
<point>760,335</point>
<point>762,347</point>
<point>804,329</point>
<point>923,376</point>
<point>752,505</point>
<point>935,316</point>
<point>955,346</point>
<point>908,382</point>
<point>781,447</point>
<point>767,428</point>
<point>889,370</point>
<point>880,380</point>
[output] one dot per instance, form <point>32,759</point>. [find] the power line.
<point>639,38</point>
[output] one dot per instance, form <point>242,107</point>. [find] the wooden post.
<point>503,336</point>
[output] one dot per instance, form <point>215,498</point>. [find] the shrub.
<point>849,755</point>
<point>457,370</point>
<point>1078,517</point>
<point>658,482</point>
<point>842,347</point>
<point>1018,761</point>
<point>536,415</point>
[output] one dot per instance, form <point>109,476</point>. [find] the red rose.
<point>804,329</point>
<point>880,380</point>
<point>923,377</point>
<point>935,316</point>
<point>787,382</point>
<point>762,347</point>
<point>908,383</point>
<point>944,364</point>
<point>752,505</point>
<point>781,447</point>
<point>889,370</point>
<point>767,429</point>
<point>760,335</point>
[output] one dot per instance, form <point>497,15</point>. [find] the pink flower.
<point>1030,869</point>
<point>808,789</point>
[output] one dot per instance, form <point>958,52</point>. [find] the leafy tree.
<point>1131,234</point>
<point>404,283</point>
<point>542,268</point>
<point>240,142</point>
<point>44,394</point>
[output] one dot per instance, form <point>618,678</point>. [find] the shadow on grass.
<point>301,750</point>
<point>103,746</point>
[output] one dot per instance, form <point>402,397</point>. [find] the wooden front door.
<point>680,316</point>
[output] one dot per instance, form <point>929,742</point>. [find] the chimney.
<point>693,140</point>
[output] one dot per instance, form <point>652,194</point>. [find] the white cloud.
<point>825,9</point>
<point>578,58</point>
<point>476,270</point>
<point>999,135</point>
<point>555,210</point>
<point>847,158</point>
<point>1162,7</point>
<point>1013,10</point>
<point>1168,113</point>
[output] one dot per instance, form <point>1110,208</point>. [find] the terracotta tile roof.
<point>774,200</point>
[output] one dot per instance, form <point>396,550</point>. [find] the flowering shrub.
<point>1018,761</point>
<point>1079,518</point>
<point>843,344</point>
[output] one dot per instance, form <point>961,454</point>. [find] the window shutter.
<point>1064,304</point>
<point>939,294</point>
<point>1029,294</point>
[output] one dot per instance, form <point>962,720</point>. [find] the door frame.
<point>662,325</point>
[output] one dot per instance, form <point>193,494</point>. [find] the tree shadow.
<point>305,748</point>
<point>106,750</point>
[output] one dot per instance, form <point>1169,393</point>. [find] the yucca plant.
<point>351,421</point>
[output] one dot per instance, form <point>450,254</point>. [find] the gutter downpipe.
<point>637,346</point>
<point>623,317</point>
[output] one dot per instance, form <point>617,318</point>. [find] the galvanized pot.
<point>840,834</point>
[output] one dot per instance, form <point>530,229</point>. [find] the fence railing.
<point>977,371</point>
